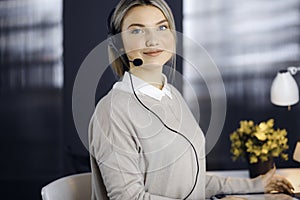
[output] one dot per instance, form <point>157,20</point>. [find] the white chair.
<point>73,187</point>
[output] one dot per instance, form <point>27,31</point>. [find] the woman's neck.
<point>152,76</point>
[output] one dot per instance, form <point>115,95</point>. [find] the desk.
<point>292,174</point>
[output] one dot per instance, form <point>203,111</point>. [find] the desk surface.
<point>292,174</point>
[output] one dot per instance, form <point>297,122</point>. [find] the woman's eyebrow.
<point>162,21</point>
<point>142,25</point>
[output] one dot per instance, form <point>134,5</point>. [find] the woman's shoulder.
<point>175,91</point>
<point>114,100</point>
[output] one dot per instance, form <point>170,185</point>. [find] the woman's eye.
<point>136,31</point>
<point>163,27</point>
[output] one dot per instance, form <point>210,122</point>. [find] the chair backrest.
<point>73,187</point>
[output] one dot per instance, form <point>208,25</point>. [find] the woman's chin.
<point>152,65</point>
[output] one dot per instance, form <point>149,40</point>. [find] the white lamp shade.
<point>284,89</point>
<point>296,156</point>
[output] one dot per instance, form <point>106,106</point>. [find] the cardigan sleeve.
<point>118,155</point>
<point>216,185</point>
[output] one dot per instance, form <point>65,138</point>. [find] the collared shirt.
<point>144,88</point>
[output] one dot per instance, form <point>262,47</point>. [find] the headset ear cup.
<point>126,60</point>
<point>116,42</point>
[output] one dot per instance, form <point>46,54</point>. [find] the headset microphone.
<point>137,62</point>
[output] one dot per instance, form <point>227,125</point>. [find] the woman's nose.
<point>151,38</point>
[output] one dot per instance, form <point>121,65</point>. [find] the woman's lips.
<point>153,53</point>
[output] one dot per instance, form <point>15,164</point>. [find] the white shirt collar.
<point>142,87</point>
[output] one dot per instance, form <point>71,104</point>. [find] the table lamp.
<point>285,92</point>
<point>284,89</point>
<point>296,156</point>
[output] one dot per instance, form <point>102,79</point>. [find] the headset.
<point>115,42</point>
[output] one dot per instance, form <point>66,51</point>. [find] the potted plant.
<point>258,144</point>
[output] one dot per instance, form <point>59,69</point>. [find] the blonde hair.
<point>118,59</point>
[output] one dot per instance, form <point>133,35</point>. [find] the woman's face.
<point>146,35</point>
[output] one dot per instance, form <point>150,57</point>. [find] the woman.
<point>144,141</point>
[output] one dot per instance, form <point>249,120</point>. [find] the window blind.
<point>30,44</point>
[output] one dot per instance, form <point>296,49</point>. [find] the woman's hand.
<point>275,183</point>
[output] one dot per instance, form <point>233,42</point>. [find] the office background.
<point>43,43</point>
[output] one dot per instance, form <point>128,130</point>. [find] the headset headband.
<point>110,27</point>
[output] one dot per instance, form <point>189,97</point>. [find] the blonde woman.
<point>144,141</point>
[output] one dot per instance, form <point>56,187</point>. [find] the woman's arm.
<point>227,185</point>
